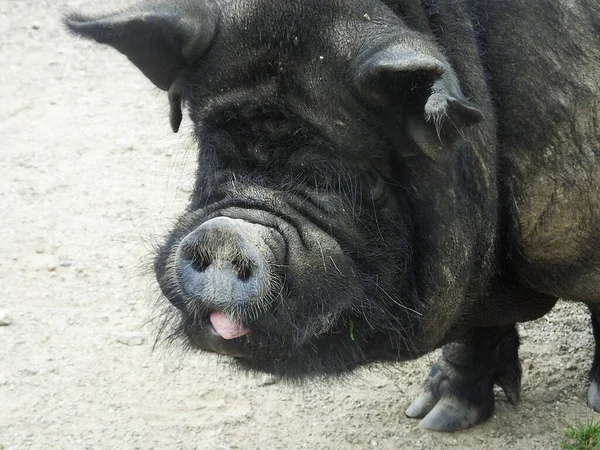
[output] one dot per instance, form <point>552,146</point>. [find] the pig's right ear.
<point>161,40</point>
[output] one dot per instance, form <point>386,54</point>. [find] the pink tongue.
<point>227,328</point>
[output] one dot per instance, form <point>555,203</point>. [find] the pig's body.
<point>546,82</point>
<point>379,179</point>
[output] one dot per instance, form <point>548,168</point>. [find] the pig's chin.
<point>333,352</point>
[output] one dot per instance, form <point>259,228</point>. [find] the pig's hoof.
<point>458,396</point>
<point>448,414</point>
<point>452,402</point>
<point>593,396</point>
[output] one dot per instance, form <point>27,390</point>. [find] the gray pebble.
<point>130,338</point>
<point>5,318</point>
<point>267,380</point>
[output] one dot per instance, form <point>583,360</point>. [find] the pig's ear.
<point>425,89</point>
<point>161,40</point>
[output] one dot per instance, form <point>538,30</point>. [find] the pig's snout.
<point>230,265</point>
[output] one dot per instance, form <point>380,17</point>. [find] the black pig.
<point>377,179</point>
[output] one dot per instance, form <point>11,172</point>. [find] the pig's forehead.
<point>334,27</point>
<point>297,49</point>
<point>302,41</point>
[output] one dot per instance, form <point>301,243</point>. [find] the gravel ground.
<point>91,177</point>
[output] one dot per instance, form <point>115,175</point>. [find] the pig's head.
<point>299,252</point>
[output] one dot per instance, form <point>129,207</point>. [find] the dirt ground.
<point>90,179</point>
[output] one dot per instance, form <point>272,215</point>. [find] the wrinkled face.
<point>290,268</point>
<point>295,254</point>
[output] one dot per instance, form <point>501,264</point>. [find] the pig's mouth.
<point>219,334</point>
<point>225,327</point>
<point>255,348</point>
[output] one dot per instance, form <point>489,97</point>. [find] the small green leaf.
<point>351,329</point>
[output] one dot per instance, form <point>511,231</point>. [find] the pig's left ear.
<point>162,40</point>
<point>425,89</point>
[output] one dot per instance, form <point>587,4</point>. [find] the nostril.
<point>244,273</point>
<point>196,259</point>
<point>200,264</point>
